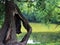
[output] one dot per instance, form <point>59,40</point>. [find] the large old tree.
<point>12,25</point>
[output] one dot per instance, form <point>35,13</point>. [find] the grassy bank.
<point>46,34</point>
<point>38,27</point>
<point>57,43</point>
<point>45,38</point>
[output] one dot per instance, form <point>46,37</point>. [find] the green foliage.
<point>2,8</point>
<point>45,11</point>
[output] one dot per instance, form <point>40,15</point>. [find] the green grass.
<point>38,27</point>
<point>46,34</point>
<point>43,37</point>
<point>57,43</point>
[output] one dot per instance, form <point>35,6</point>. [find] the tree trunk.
<point>8,31</point>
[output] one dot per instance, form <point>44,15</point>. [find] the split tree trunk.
<point>8,30</point>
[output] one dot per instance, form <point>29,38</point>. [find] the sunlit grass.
<point>46,34</point>
<point>39,27</point>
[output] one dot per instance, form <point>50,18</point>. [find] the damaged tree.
<point>12,25</point>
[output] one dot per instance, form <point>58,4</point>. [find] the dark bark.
<point>18,24</point>
<point>10,10</point>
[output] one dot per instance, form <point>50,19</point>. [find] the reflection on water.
<point>32,42</point>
